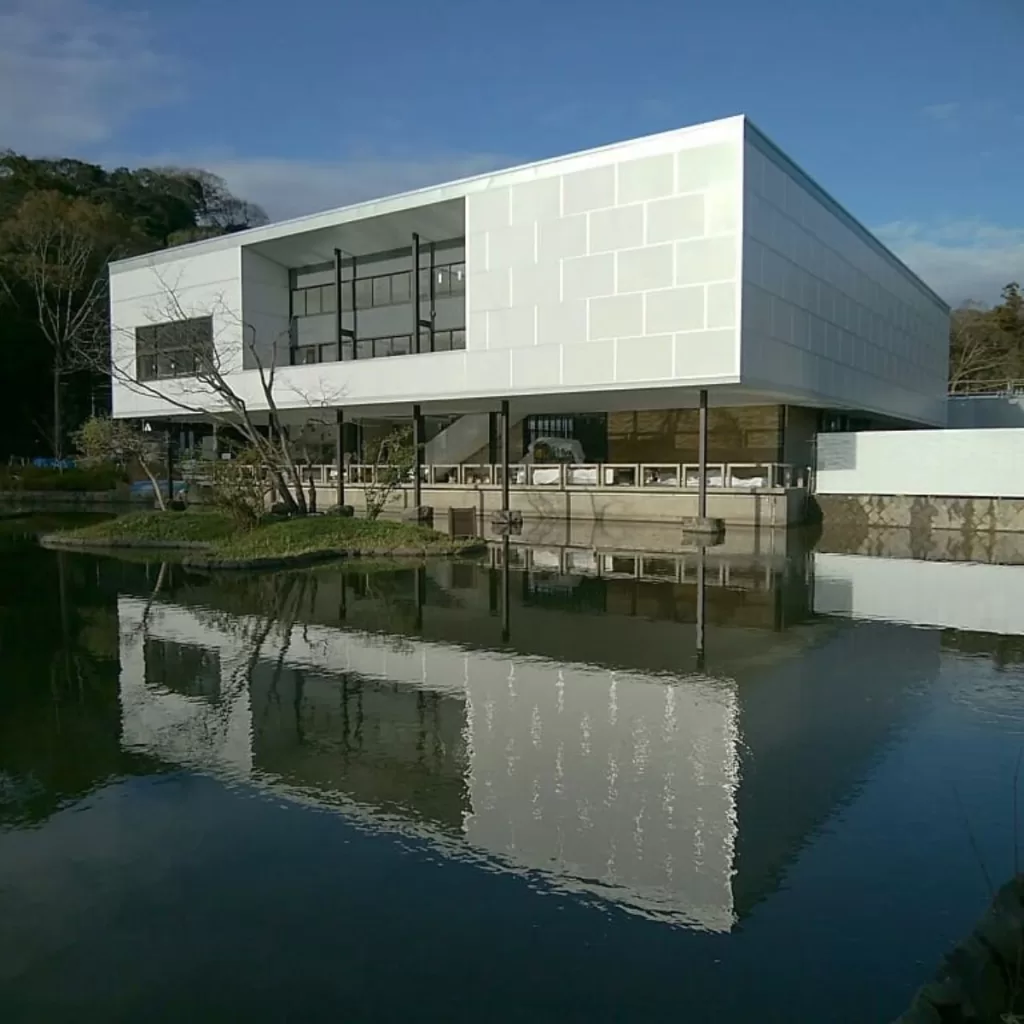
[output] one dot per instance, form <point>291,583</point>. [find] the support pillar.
<point>170,467</point>
<point>417,462</point>
<point>506,590</point>
<point>492,438</point>
<point>339,456</point>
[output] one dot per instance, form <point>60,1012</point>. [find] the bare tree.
<point>202,382</point>
<point>54,251</point>
<point>978,349</point>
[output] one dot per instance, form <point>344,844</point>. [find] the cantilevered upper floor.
<point>623,277</point>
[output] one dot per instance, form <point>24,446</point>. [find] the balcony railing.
<point>735,476</point>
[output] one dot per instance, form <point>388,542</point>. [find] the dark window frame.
<point>173,349</point>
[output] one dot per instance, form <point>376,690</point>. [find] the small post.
<point>339,456</point>
<point>702,457</point>
<point>505,448</point>
<point>492,438</point>
<point>417,466</point>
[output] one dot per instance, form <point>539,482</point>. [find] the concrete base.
<point>422,514</point>
<point>345,511</point>
<point>777,507</point>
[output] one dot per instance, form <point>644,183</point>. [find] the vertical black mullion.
<point>355,314</point>
<point>415,282</point>
<point>337,300</point>
<point>433,295</point>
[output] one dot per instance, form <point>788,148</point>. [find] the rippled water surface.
<point>552,786</point>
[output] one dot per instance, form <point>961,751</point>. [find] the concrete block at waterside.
<point>703,525</point>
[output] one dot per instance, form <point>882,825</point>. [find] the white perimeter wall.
<point>948,595</point>
<point>937,463</point>
<point>828,313</point>
<point>610,269</point>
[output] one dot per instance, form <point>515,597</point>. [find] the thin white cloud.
<point>73,72</point>
<point>961,260</point>
<point>941,111</point>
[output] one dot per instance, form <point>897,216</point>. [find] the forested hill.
<point>61,222</point>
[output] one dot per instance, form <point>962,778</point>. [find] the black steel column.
<point>415,284</point>
<point>702,457</point>
<point>433,295</point>
<point>505,447</point>
<point>417,465</point>
<point>355,313</point>
<point>339,452</point>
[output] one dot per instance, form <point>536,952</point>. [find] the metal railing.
<point>997,386</point>
<point>736,476</point>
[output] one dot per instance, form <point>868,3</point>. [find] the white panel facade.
<point>206,284</point>
<point>827,311</point>
<point>611,269</point>
<point>931,463</point>
<point>695,258</point>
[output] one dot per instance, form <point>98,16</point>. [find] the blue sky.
<point>908,111</point>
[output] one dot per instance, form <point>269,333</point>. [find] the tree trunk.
<point>58,440</point>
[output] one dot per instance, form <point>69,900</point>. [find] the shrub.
<point>101,477</point>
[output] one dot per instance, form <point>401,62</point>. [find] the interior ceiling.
<point>582,402</point>
<point>434,223</point>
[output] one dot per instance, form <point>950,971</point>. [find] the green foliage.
<point>239,487</point>
<point>168,527</point>
<point>68,218</point>
<point>394,457</point>
<point>104,441</point>
<point>315,534</point>
<point>35,478</point>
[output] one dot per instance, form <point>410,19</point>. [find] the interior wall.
<point>749,433</point>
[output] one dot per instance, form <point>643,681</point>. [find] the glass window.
<point>364,349</point>
<point>441,281</point>
<point>442,341</point>
<point>299,302</point>
<point>382,291</point>
<point>312,301</point>
<point>382,347</point>
<point>459,339</point>
<point>400,288</point>
<point>329,352</point>
<point>346,350</point>
<point>364,293</point>
<point>400,345</point>
<point>457,273</point>
<point>327,299</point>
<point>424,277</point>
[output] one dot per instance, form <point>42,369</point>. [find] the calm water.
<point>533,792</point>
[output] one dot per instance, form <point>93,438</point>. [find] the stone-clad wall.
<point>967,515</point>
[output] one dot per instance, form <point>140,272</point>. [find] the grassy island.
<point>215,541</point>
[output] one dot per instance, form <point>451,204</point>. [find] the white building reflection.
<point>618,783</point>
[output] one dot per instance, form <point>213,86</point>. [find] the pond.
<point>768,783</point>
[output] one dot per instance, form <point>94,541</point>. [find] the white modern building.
<point>597,294</point>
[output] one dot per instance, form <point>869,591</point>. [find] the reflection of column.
<point>420,583</point>
<point>506,613</point>
<point>701,603</point>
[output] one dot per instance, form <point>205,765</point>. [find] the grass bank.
<point>217,543</point>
